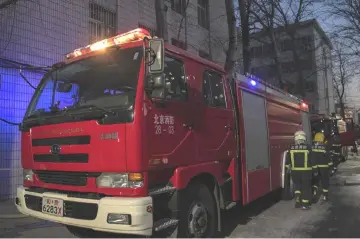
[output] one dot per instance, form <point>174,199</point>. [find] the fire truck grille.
<point>76,210</point>
<point>62,158</point>
<point>61,141</point>
<point>65,178</point>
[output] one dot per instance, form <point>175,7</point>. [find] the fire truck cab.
<point>134,136</point>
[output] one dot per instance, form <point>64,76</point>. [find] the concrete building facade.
<point>314,50</point>
<point>40,33</point>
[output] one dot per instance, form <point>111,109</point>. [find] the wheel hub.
<point>198,220</point>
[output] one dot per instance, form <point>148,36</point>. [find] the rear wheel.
<point>198,216</point>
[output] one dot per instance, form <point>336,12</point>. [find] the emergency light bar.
<point>253,80</point>
<point>131,36</point>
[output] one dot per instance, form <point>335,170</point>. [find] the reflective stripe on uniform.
<point>331,163</point>
<point>305,201</point>
<point>323,165</point>
<point>325,190</point>
<point>305,168</point>
<point>319,150</point>
<point>297,192</point>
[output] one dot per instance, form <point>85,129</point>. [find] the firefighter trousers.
<point>324,173</point>
<point>303,184</point>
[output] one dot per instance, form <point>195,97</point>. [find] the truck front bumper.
<point>94,217</point>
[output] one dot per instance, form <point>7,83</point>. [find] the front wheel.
<point>198,214</point>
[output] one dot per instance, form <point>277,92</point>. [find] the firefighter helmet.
<point>300,136</point>
<point>319,137</point>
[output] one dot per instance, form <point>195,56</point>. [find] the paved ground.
<point>267,217</point>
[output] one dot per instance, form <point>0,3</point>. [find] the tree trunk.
<point>342,108</point>
<point>161,26</point>
<point>231,20</point>
<point>245,33</point>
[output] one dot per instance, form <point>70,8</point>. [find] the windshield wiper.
<point>90,107</point>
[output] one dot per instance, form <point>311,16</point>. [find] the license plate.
<point>53,206</point>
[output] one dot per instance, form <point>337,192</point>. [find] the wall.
<point>41,32</point>
<point>324,74</point>
<point>37,33</point>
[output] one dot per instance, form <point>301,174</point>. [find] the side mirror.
<point>157,84</point>
<point>157,51</point>
<point>63,87</point>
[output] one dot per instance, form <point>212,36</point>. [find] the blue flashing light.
<point>253,83</point>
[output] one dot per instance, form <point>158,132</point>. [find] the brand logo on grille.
<point>55,149</point>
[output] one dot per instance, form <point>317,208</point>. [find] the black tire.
<point>195,196</point>
<point>288,190</point>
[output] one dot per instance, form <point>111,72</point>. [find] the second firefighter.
<point>322,160</point>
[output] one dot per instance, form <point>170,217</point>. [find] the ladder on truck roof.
<point>254,82</point>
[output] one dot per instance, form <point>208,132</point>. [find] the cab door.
<point>216,131</point>
<point>170,142</point>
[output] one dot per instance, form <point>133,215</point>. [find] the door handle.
<point>188,126</point>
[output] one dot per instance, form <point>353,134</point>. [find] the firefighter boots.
<point>297,200</point>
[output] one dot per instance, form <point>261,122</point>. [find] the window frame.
<point>204,55</point>
<point>204,9</point>
<point>186,96</point>
<point>207,72</point>
<point>178,43</point>
<point>99,25</point>
<point>182,10</point>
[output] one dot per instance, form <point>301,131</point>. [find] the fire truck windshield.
<point>106,81</point>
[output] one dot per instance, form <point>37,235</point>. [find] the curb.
<point>12,216</point>
<point>356,183</point>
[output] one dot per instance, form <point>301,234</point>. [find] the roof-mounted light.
<point>304,105</point>
<point>100,45</point>
<point>131,36</point>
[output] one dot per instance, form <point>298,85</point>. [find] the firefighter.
<point>300,164</point>
<point>323,162</point>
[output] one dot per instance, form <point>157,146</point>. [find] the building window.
<point>310,86</point>
<point>152,31</point>
<point>178,43</point>
<point>102,22</point>
<point>286,45</point>
<point>204,55</point>
<point>256,52</point>
<point>203,13</point>
<point>179,6</point>
<point>306,43</point>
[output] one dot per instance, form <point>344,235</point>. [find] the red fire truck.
<point>133,136</point>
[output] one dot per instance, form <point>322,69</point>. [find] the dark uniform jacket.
<point>299,158</point>
<point>320,156</point>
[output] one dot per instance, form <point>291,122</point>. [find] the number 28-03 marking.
<point>157,129</point>
<point>171,129</point>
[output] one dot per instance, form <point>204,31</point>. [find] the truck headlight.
<point>120,180</point>
<point>28,175</point>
